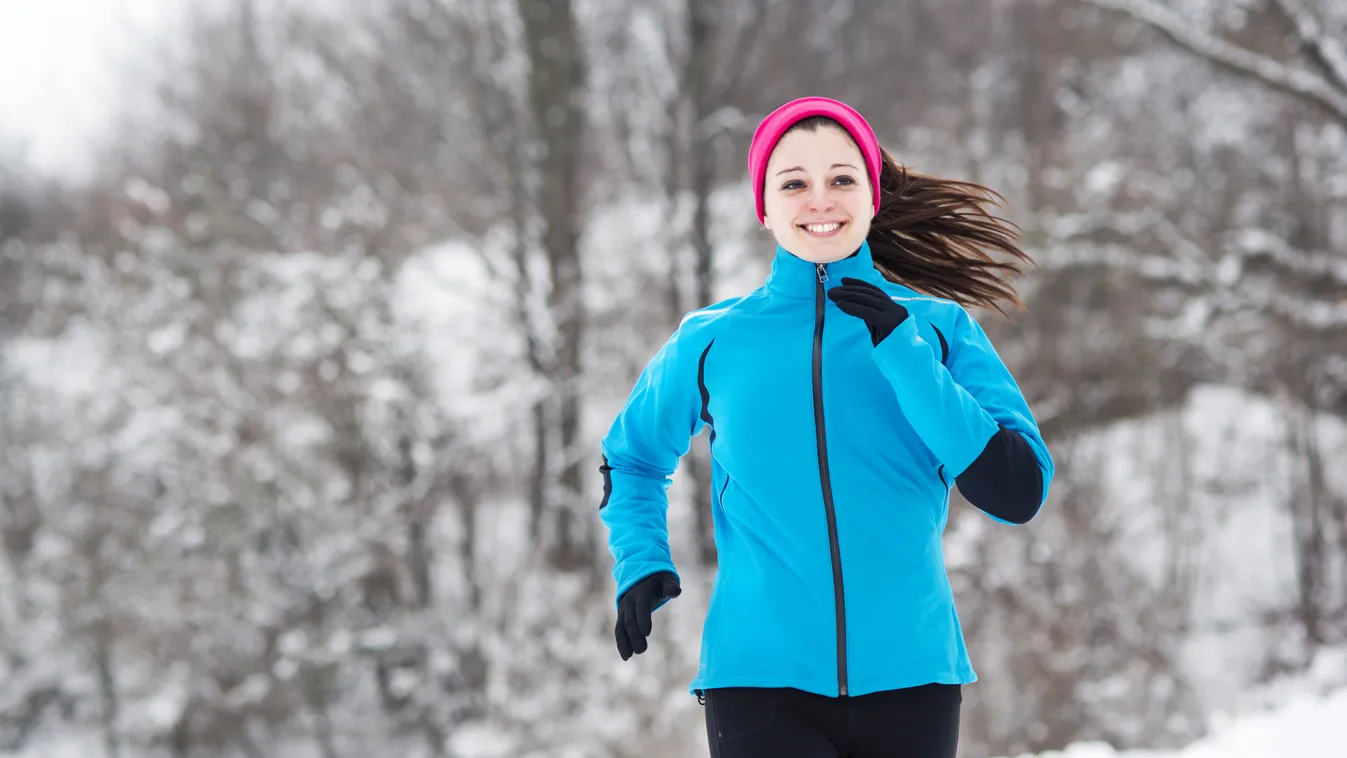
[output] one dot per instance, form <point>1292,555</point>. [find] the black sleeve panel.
<point>1004,480</point>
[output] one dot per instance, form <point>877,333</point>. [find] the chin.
<point>826,252</point>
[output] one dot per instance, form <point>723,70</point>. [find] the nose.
<point>821,197</point>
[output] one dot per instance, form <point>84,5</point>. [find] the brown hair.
<point>937,235</point>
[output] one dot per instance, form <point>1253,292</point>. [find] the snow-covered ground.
<point>1306,726</point>
<point>1303,716</point>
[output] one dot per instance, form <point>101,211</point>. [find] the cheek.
<point>862,213</point>
<point>779,212</point>
<point>863,205</point>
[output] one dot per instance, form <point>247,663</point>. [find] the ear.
<point>766,222</point>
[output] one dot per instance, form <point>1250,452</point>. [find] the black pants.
<point>751,722</point>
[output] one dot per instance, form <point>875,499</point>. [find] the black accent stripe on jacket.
<point>706,393</point>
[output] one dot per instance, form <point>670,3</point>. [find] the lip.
<point>841,225</point>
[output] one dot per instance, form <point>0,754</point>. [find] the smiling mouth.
<point>823,230</point>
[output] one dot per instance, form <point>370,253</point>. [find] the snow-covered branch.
<point>1295,80</point>
<point>1323,49</point>
<point>1155,249</point>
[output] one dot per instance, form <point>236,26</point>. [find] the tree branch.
<point>1292,80</point>
<point>1322,49</point>
<point>744,46</point>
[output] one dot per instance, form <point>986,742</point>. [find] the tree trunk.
<point>537,475</point>
<point>472,661</point>
<point>107,688</point>
<point>417,514</point>
<point>1307,506</point>
<point>555,94</point>
<point>322,722</point>
<point>696,89</point>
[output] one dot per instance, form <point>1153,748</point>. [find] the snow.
<point>69,367</point>
<point>1304,727</point>
<point>84,745</point>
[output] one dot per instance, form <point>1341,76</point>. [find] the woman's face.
<point>816,196</point>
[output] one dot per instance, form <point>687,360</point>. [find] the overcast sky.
<point>61,72</point>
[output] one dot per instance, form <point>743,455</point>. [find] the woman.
<point>844,397</point>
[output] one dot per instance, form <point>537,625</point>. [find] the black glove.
<point>881,313</point>
<point>636,605</point>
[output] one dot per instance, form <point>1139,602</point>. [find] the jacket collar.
<point>795,277</point>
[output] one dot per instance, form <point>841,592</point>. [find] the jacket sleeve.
<point>972,416</point>
<point>641,450</point>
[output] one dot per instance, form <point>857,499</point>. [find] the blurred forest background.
<point>301,391</point>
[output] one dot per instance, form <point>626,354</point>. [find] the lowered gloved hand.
<point>635,607</point>
<point>859,298</point>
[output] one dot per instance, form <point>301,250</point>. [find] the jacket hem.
<point>828,687</point>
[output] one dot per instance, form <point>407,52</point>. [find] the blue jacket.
<point>832,461</point>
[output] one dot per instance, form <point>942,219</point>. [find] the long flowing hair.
<point>940,236</point>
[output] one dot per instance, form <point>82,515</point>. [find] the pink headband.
<point>778,121</point>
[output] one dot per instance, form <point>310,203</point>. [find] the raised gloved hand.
<point>859,298</point>
<point>635,607</point>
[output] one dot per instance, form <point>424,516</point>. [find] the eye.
<point>792,184</point>
<point>844,180</point>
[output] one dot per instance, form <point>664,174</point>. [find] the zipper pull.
<point>822,272</point>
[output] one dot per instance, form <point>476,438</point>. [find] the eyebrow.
<point>801,168</point>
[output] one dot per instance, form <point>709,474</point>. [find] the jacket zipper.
<point>826,479</point>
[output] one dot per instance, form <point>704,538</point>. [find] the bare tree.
<point>556,84</point>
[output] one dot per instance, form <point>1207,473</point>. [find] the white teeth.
<point>822,228</point>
